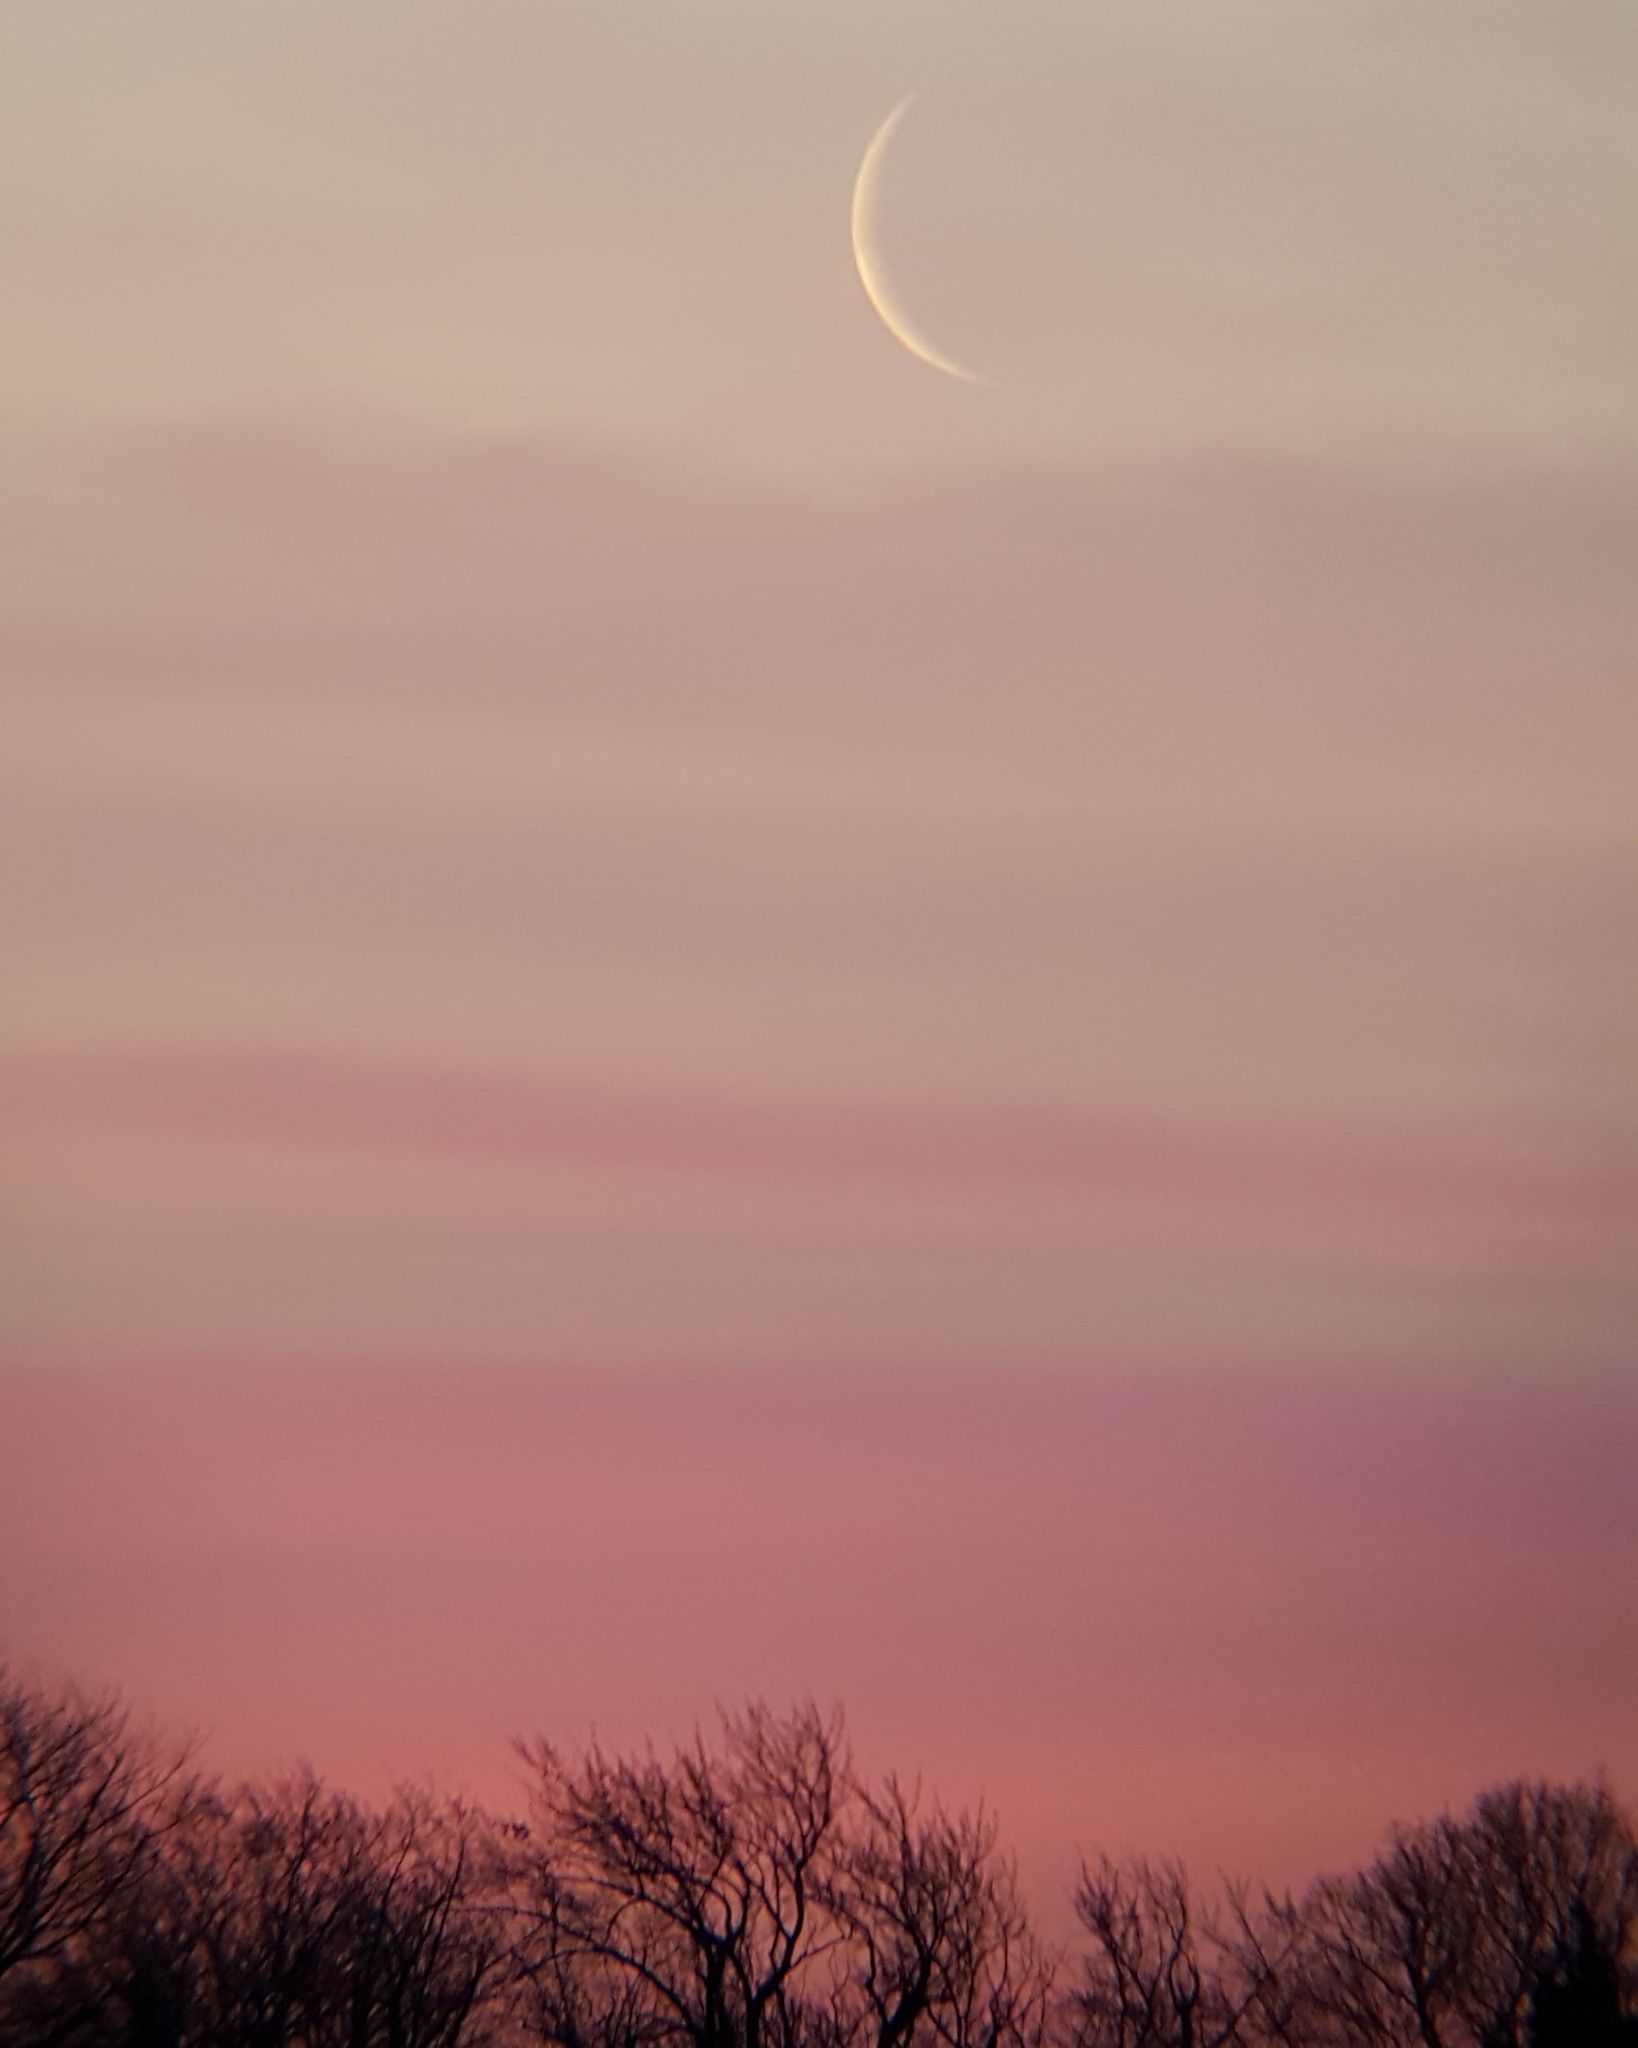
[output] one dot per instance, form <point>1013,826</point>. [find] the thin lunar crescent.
<point>871,272</point>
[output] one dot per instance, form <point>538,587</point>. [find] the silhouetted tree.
<point>83,1800</point>
<point>1386,1947</point>
<point>1162,1971</point>
<point>309,1919</point>
<point>1499,1930</point>
<point>1577,2001</point>
<point>681,1900</point>
<point>754,1894</point>
<point>288,1917</point>
<point>752,1891</point>
<point>938,1945</point>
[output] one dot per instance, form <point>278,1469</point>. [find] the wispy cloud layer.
<point>1226,868</point>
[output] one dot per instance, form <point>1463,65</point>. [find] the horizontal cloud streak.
<point>278,1097</point>
<point>553,897</point>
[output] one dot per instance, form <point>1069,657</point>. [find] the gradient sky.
<point>689,1011</point>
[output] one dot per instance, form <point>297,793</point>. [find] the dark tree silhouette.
<point>1512,1927</point>
<point>751,1891</point>
<point>756,1894</point>
<point>681,1899</point>
<point>316,1920</point>
<point>938,1946</point>
<point>1577,1999</point>
<point>278,1917</point>
<point>83,1802</point>
<point>309,1919</point>
<point>1162,1971</point>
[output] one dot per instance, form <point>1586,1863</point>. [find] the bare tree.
<point>1163,1971</point>
<point>1512,1927</point>
<point>1554,1872</point>
<point>751,1891</point>
<point>83,1800</point>
<point>1386,1947</point>
<point>681,1899</point>
<point>938,1944</point>
<point>309,1918</point>
<point>429,1950</point>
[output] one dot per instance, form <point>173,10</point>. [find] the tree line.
<point>749,1889</point>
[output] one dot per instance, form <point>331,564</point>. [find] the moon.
<point>872,274</point>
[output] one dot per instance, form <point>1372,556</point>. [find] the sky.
<point>689,1011</point>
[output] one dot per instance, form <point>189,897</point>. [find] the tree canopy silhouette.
<point>750,1888</point>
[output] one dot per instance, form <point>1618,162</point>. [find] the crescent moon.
<point>871,271</point>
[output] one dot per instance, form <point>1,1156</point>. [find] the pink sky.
<point>1249,1620</point>
<point>687,1011</point>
